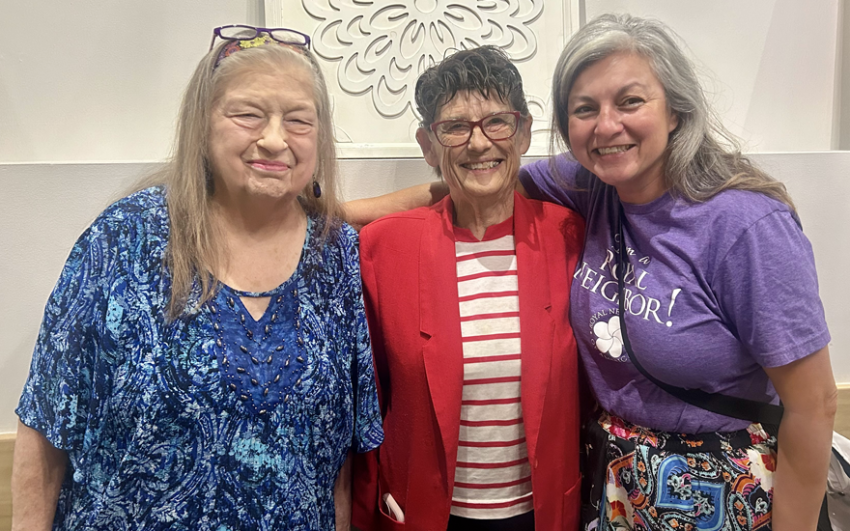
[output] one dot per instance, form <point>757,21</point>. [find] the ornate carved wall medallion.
<point>374,50</point>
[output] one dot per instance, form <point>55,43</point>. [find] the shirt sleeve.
<point>368,427</point>
<point>560,180</point>
<point>767,287</point>
<point>59,391</point>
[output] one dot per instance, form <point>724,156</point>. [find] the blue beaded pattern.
<point>260,371</point>
<point>155,438</point>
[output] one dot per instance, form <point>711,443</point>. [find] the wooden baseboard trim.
<point>7,446</point>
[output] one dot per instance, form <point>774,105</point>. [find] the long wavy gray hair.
<point>703,157</point>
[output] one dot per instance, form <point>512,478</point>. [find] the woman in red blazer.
<point>467,303</point>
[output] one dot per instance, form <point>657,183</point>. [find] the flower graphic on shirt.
<point>609,338</point>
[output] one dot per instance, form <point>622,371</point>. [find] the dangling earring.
<point>317,190</point>
<point>208,178</point>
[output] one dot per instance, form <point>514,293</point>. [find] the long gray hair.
<point>703,157</point>
<point>195,249</point>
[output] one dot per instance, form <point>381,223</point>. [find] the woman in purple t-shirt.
<point>719,294</point>
<point>719,291</point>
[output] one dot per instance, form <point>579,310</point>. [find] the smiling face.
<point>619,125</point>
<point>481,170</point>
<point>263,134</point>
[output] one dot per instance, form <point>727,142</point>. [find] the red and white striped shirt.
<point>493,476</point>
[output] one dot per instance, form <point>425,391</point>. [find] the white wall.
<point>100,80</point>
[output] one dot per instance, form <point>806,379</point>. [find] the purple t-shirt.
<point>719,290</point>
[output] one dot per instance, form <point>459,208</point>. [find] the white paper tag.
<point>393,509</point>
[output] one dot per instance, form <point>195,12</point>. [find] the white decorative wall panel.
<point>373,52</point>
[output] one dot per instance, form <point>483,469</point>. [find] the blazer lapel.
<point>536,325</point>
<point>439,325</point>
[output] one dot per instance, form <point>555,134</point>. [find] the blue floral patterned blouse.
<point>213,421</point>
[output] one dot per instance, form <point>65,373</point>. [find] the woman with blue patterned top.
<point>204,362</point>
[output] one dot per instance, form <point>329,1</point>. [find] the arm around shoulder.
<point>361,212</point>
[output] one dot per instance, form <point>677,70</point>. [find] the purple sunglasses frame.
<point>257,30</point>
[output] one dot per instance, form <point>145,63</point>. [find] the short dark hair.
<point>486,70</point>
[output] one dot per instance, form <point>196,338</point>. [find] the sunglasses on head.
<point>241,37</point>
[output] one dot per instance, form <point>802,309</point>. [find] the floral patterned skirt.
<point>645,480</point>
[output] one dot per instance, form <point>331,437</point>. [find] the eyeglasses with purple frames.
<point>239,32</point>
<point>497,126</point>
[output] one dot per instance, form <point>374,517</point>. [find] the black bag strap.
<point>739,408</point>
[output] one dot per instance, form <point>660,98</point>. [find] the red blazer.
<point>410,288</point>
